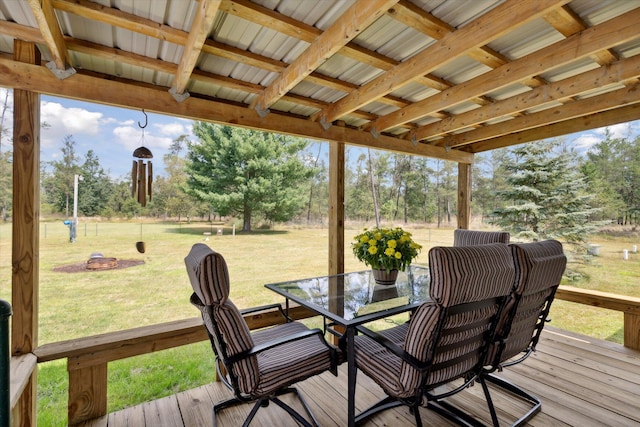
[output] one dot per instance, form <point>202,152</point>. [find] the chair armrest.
<point>276,342</point>
<point>264,308</point>
<point>393,348</point>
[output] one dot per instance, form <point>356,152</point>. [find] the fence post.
<point>5,392</point>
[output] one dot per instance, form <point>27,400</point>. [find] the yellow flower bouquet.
<point>385,248</point>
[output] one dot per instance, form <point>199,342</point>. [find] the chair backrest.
<point>228,331</point>
<point>540,266</point>
<point>469,286</point>
<point>462,237</point>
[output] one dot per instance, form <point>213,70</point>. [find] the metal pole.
<point>74,223</point>
<point>5,392</point>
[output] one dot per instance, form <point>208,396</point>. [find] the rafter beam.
<point>624,114</point>
<point>610,33</point>
<point>582,107</point>
<point>245,10</point>
<point>567,22</point>
<point>125,94</point>
<point>299,30</point>
<point>479,32</point>
<point>52,35</point>
<point>625,69</point>
<point>200,29</point>
<point>351,23</point>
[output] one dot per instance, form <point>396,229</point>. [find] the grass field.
<point>80,304</point>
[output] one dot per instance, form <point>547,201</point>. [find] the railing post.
<point>5,392</point>
<point>632,331</point>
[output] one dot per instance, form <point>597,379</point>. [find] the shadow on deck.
<point>582,382</point>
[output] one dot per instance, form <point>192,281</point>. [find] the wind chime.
<point>141,172</point>
<point>142,177</point>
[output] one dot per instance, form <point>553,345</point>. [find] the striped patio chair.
<point>539,267</point>
<point>462,237</point>
<point>445,339</point>
<point>260,366</point>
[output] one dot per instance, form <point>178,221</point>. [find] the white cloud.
<point>620,130</point>
<point>131,138</point>
<point>62,121</point>
<point>173,129</point>
<point>586,141</point>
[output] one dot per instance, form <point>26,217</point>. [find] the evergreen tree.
<point>255,175</point>
<point>613,173</point>
<point>95,188</point>
<point>545,197</point>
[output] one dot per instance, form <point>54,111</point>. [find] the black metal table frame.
<point>349,333</point>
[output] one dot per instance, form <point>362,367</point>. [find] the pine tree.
<point>546,197</point>
<point>254,175</point>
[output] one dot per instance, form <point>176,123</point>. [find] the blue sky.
<point>113,133</point>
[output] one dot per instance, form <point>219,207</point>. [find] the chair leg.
<point>265,402</point>
<point>225,404</point>
<point>454,414</point>
<point>386,403</point>
<point>517,391</point>
<point>294,414</point>
<point>416,413</point>
<point>492,408</point>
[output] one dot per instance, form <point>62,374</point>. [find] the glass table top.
<point>353,298</point>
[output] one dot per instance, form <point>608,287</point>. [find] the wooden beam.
<point>243,9</point>
<point>580,108</point>
<point>420,20</point>
<point>600,77</point>
<point>351,23</point>
<point>25,225</point>
<point>50,30</point>
<point>607,118</point>
<point>200,29</point>
<point>567,22</point>
<point>268,18</point>
<point>117,18</point>
<point>22,367</point>
<point>464,195</point>
<point>610,33</point>
<point>482,30</point>
<point>336,208</point>
<point>87,394</point>
<point>154,99</point>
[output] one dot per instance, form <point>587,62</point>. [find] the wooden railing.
<point>87,357</point>
<point>630,306</point>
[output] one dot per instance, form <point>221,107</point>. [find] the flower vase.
<point>382,277</point>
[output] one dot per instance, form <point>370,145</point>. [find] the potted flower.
<point>385,250</point>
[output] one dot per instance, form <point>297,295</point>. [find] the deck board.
<point>582,382</point>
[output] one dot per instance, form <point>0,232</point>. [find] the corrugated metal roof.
<point>251,43</point>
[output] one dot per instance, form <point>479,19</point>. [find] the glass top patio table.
<point>354,298</point>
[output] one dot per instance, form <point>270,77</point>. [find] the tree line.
<point>543,189</point>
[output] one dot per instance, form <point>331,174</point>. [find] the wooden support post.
<point>25,240</point>
<point>336,221</point>
<point>87,390</point>
<point>336,208</point>
<point>632,330</point>
<point>464,195</point>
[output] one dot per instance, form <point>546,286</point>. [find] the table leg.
<point>351,378</point>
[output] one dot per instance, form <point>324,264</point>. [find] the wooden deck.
<point>582,382</point>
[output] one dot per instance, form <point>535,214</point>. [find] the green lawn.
<point>87,303</point>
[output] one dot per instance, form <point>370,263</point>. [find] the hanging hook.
<point>145,120</point>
